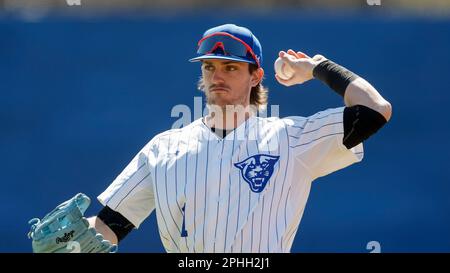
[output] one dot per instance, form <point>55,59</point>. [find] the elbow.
<point>385,109</point>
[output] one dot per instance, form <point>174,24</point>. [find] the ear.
<point>269,159</point>
<point>240,165</point>
<point>257,76</point>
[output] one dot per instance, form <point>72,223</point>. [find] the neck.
<point>228,117</point>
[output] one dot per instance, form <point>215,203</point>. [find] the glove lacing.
<point>34,223</point>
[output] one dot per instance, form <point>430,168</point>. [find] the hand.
<point>302,64</point>
<point>65,227</point>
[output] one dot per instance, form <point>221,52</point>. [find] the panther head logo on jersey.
<point>257,170</point>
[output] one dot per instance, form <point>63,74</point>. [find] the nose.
<point>217,76</point>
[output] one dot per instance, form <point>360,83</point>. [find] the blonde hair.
<point>259,95</point>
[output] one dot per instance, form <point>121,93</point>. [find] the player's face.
<point>228,82</point>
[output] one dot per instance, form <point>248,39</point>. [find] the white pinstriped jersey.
<point>243,193</point>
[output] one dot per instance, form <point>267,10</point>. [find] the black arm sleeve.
<point>116,222</point>
<point>335,76</point>
<point>360,122</point>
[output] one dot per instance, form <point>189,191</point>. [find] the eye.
<point>208,67</point>
<point>251,166</point>
<point>264,165</point>
<point>231,68</point>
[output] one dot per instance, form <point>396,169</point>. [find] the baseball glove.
<point>66,230</point>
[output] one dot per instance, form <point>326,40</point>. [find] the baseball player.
<point>233,181</point>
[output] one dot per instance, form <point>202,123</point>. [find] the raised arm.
<point>354,89</point>
<point>366,112</point>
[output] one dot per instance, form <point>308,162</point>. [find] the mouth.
<point>218,89</point>
<point>258,181</point>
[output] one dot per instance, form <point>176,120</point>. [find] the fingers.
<point>292,52</point>
<point>301,65</point>
<point>297,55</point>
<point>289,53</point>
<point>287,57</point>
<point>302,55</point>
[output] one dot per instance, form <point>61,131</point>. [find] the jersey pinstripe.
<point>243,193</point>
